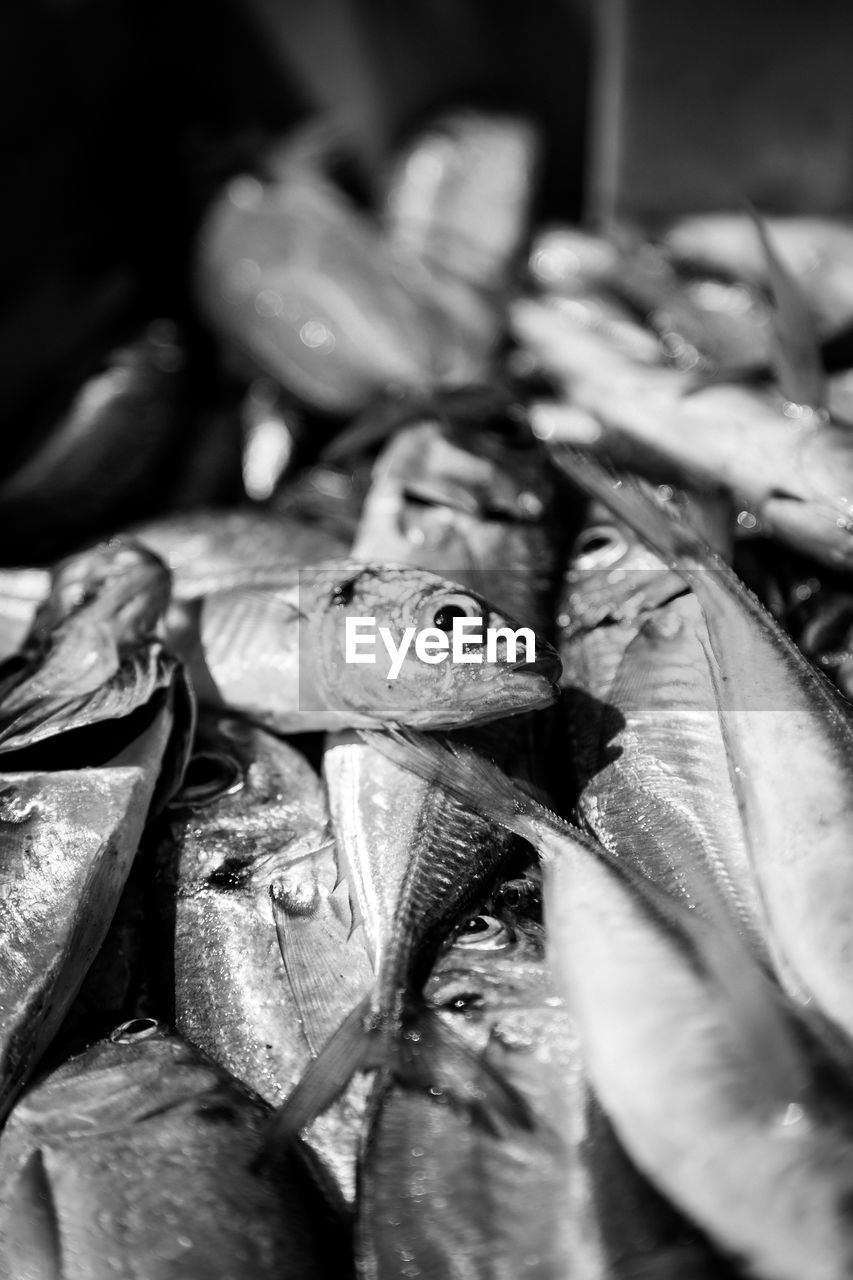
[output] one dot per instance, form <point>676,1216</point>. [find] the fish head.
<point>443,690</point>
<point>811,505</point>
<point>119,582</point>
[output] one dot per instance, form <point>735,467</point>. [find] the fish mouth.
<point>546,663</point>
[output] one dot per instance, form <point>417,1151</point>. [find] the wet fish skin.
<point>68,840</point>
<point>279,656</point>
<point>251,821</point>
<point>145,1103</point>
<point>91,654</point>
<point>708,1076</point>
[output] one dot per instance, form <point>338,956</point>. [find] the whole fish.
<point>643,719</point>
<point>246,858</point>
<point>92,654</point>
<point>789,737</point>
<point>280,656</point>
<point>785,466</point>
<point>139,1158</point>
<point>444,1194</point>
<point>710,1082</point>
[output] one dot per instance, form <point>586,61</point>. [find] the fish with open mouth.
<point>280,656</point>
<point>245,856</point>
<point>140,1157</point>
<point>97,746</point>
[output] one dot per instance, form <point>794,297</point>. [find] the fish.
<point>785,466</point>
<point>141,1157</point>
<point>335,317</point>
<point>68,838</point>
<point>457,197</point>
<point>720,1093</point>
<point>443,1194</point>
<point>789,738</point>
<point>644,725</point>
<point>280,656</point>
<point>99,461</point>
<point>257,953</point>
<point>91,655</point>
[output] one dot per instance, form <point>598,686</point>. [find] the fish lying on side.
<point>710,1081</point>
<point>443,1194</point>
<point>279,656</point>
<point>140,1157</point>
<point>645,728</point>
<point>245,856</point>
<point>101,720</point>
<point>789,737</point>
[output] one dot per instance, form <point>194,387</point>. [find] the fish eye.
<point>210,775</point>
<point>521,896</point>
<point>135,1030</point>
<point>442,613</point>
<point>598,547</point>
<point>464,1001</point>
<point>484,932</point>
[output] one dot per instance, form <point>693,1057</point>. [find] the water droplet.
<point>317,336</point>
<point>747,520</point>
<point>268,303</point>
<point>245,191</point>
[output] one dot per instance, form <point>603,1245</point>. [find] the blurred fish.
<point>91,654</point>
<point>99,463</point>
<point>441,1193</point>
<point>458,196</point>
<point>279,656</point>
<point>245,859</point>
<point>817,251</point>
<point>139,1157</point>
<point>789,737</point>
<point>644,723</point>
<point>21,592</point>
<point>784,465</point>
<point>711,1083</point>
<point>68,840</point>
<point>300,280</point>
<point>218,549</point>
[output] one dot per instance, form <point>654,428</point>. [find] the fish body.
<point>787,473</point>
<point>280,656</point>
<point>68,840</point>
<point>246,866</point>
<point>789,737</point>
<point>139,1158</point>
<point>708,1076</point>
<point>92,654</point>
<point>642,714</point>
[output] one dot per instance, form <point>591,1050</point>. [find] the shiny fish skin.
<point>68,840</point>
<point>92,654</point>
<point>279,656</point>
<point>252,818</point>
<point>148,1155</point>
<point>645,726</point>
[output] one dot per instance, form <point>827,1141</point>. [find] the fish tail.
<point>419,1053</point>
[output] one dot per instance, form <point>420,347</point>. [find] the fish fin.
<point>325,971</point>
<point>423,1054</point>
<point>33,1242</point>
<point>796,349</point>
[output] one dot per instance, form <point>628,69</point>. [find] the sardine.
<point>246,855</point>
<point>140,1158</point>
<point>279,657</point>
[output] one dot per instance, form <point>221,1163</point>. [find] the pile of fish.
<point>538,964</point>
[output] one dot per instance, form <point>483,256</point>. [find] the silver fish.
<point>139,1157</point>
